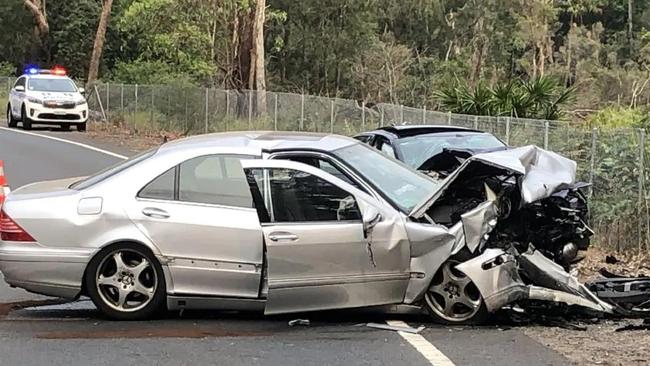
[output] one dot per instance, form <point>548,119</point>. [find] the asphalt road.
<point>75,334</point>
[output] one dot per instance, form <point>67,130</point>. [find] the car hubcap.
<point>126,281</point>
<point>452,295</point>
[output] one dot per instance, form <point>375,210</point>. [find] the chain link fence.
<point>612,160</point>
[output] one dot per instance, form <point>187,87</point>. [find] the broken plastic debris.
<point>396,329</point>
<point>298,322</point>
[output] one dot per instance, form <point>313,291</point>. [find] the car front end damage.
<point>518,221</point>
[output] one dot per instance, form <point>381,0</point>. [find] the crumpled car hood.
<point>541,173</point>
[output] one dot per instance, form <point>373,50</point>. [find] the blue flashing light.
<point>32,69</point>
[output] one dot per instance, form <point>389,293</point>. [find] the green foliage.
<point>619,117</point>
<point>541,98</point>
<point>149,72</point>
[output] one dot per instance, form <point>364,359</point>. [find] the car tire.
<point>452,298</point>
<point>65,126</point>
<point>11,121</point>
<point>81,127</point>
<point>126,282</point>
<point>27,123</point>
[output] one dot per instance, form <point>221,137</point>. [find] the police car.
<point>47,97</point>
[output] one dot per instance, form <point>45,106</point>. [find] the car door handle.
<point>155,213</point>
<point>283,236</point>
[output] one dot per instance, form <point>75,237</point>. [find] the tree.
<point>41,28</point>
<point>98,46</point>
<point>257,77</point>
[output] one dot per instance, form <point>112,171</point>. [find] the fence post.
<point>302,111</point>
<point>227,102</point>
<point>151,112</point>
<point>507,130</point>
<point>401,114</point>
<point>186,114</point>
<point>449,118</point>
<point>135,109</point>
<point>331,115</point>
<point>641,183</point>
<point>424,115</point>
<point>250,109</point>
<point>207,96</point>
<point>476,122</point>
<point>546,125</point>
<point>122,99</point>
<point>108,99</point>
<point>275,112</point>
<point>363,115</point>
<point>592,165</point>
<point>381,120</point>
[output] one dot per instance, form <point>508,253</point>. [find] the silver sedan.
<point>280,222</point>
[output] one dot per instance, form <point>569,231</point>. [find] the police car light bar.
<point>56,70</point>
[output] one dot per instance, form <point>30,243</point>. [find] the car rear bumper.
<point>51,272</point>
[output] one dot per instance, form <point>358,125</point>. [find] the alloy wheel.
<point>126,281</point>
<point>452,295</point>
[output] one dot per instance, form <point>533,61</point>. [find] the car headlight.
<point>80,102</point>
<point>34,100</point>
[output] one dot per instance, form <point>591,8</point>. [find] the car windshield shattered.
<point>416,150</point>
<point>52,85</point>
<point>401,185</point>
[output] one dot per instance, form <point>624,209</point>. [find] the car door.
<point>16,97</point>
<point>201,217</point>
<point>329,245</point>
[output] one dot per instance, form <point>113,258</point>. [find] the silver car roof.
<point>263,140</point>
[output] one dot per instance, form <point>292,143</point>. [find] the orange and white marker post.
<point>4,188</point>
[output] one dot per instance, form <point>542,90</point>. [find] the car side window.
<point>161,188</point>
<point>20,82</point>
<point>298,196</point>
<point>325,165</point>
<point>385,147</point>
<point>214,179</point>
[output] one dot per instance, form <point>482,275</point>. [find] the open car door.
<point>328,245</point>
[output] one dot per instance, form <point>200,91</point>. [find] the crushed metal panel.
<point>543,172</point>
<point>431,246</point>
<point>547,273</point>
<point>545,294</point>
<point>477,223</point>
<point>495,274</point>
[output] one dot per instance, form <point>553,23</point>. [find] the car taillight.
<point>10,231</point>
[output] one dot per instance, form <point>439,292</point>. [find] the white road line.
<point>67,141</point>
<point>426,349</point>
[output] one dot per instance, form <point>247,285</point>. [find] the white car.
<point>47,97</point>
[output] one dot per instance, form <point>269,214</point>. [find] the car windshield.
<point>51,85</point>
<point>404,187</point>
<point>415,150</point>
<point>112,170</point>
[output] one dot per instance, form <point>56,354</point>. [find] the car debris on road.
<point>299,322</point>
<point>396,328</point>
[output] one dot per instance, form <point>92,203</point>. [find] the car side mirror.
<point>19,88</point>
<point>371,217</point>
<point>82,90</point>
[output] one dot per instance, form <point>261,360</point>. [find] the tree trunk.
<point>630,24</point>
<point>37,8</point>
<point>41,27</point>
<point>98,46</point>
<point>257,77</point>
<point>242,64</point>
